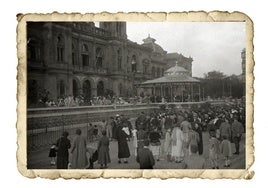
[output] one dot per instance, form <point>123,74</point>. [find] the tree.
<point>214,75</point>
<point>214,84</point>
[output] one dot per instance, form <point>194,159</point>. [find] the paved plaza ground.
<point>39,159</point>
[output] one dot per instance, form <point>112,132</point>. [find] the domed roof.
<point>176,70</point>
<point>150,43</point>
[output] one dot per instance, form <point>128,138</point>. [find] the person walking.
<point>197,128</point>
<point>109,129</point>
<point>193,139</point>
<point>237,131</point>
<point>155,143</point>
<point>135,140</point>
<point>123,149</point>
<point>194,161</point>
<point>225,129</point>
<point>79,149</point>
<point>145,157</point>
<point>226,150</point>
<point>167,145</point>
<point>103,151</point>
<point>177,144</point>
<point>214,150</point>
<point>63,144</point>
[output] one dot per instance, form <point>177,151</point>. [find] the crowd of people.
<point>177,135</point>
<point>71,101</point>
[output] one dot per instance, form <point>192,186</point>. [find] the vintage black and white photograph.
<point>136,95</point>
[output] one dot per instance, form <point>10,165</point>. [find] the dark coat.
<point>123,149</point>
<point>103,151</point>
<point>63,144</point>
<point>141,136</point>
<point>155,138</point>
<point>145,158</point>
<point>200,142</point>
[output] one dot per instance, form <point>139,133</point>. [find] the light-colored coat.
<point>79,157</point>
<point>177,143</point>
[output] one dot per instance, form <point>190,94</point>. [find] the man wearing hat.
<point>237,130</point>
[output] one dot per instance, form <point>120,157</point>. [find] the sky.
<point>212,45</point>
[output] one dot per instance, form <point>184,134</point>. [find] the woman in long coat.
<point>79,157</point>
<point>197,128</point>
<point>123,149</point>
<point>167,145</point>
<point>63,145</point>
<point>103,150</point>
<point>177,144</point>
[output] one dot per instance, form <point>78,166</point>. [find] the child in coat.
<point>226,150</point>
<point>52,154</point>
<point>214,149</point>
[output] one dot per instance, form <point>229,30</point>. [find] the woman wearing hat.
<point>63,145</point>
<point>79,157</point>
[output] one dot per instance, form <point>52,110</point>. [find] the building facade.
<point>78,58</point>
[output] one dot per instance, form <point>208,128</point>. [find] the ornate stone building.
<point>78,58</point>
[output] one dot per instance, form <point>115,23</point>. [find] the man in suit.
<point>145,157</point>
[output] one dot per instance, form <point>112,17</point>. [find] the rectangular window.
<point>74,61</point>
<point>60,54</point>
<point>85,60</point>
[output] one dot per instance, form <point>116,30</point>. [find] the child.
<point>145,156</point>
<point>52,154</point>
<point>194,161</point>
<point>103,150</point>
<point>214,147</point>
<point>226,150</point>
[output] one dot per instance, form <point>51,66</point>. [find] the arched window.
<point>153,72</point>
<point>100,88</point>
<point>87,91</point>
<point>145,66</point>
<point>119,59</point>
<point>60,48</point>
<point>61,88</point>
<point>158,72</point>
<point>99,57</point>
<point>133,64</point>
<point>85,56</point>
<point>74,54</point>
<point>33,49</point>
<point>75,88</point>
